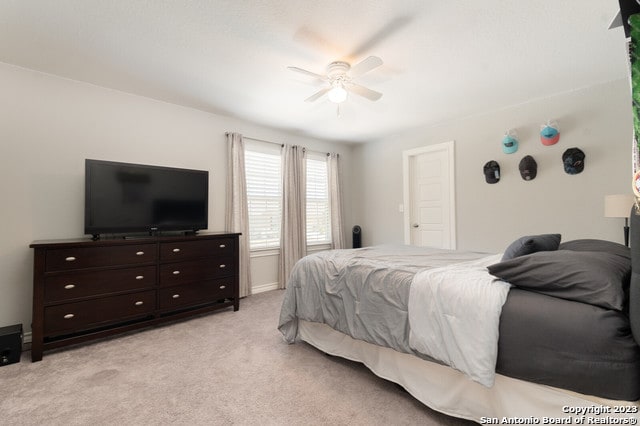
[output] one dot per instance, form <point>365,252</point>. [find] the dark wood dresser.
<point>84,289</point>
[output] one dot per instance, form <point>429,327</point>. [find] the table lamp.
<point>619,205</point>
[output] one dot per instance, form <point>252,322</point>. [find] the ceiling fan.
<point>339,80</point>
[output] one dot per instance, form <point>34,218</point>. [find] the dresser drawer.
<point>64,259</point>
<point>195,270</point>
<point>181,250</point>
<point>195,293</point>
<point>74,285</point>
<point>78,316</point>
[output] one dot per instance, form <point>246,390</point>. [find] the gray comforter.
<point>363,293</point>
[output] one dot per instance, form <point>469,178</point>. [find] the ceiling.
<point>443,59</point>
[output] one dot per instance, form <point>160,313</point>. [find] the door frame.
<point>407,196</point>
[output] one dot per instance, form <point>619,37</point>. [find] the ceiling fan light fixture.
<point>340,80</point>
<point>337,94</point>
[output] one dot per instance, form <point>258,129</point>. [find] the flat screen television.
<point>123,198</point>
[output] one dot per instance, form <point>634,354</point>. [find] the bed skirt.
<point>451,392</point>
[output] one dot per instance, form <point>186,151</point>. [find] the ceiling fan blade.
<point>365,66</point>
<point>317,95</point>
<point>365,92</point>
<point>309,73</point>
<point>383,33</point>
<point>317,42</point>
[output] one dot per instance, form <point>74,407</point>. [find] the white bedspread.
<point>454,316</point>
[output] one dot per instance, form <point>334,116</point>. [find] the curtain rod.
<point>256,139</point>
<point>262,140</point>
<point>276,143</point>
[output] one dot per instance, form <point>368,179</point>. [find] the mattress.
<point>571,345</point>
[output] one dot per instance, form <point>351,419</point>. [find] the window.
<point>318,216</point>
<point>264,197</point>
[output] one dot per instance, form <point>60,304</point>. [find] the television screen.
<point>128,198</point>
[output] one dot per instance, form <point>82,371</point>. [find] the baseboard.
<point>26,341</point>
<point>264,287</point>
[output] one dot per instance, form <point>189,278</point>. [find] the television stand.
<point>85,289</point>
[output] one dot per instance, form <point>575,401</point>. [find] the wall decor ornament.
<point>510,142</point>
<point>491,171</point>
<point>528,168</point>
<point>573,161</point>
<point>549,133</point>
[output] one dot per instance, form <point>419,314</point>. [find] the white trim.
<point>314,248</point>
<point>311,248</point>
<point>26,341</point>
<point>264,287</point>
<point>265,252</point>
<point>406,199</point>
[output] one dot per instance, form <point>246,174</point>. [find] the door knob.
<point>415,225</point>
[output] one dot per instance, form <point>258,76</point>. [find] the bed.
<point>547,331</point>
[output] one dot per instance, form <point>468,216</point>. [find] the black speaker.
<point>357,237</point>
<point>10,344</point>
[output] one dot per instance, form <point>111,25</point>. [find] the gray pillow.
<point>596,278</point>
<point>531,244</point>
<point>596,245</point>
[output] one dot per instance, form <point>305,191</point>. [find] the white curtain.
<point>237,214</point>
<point>335,202</point>
<point>293,239</point>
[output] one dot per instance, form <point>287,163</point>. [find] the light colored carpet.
<point>226,368</point>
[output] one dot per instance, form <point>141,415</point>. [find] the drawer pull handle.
<point>139,277</point>
<point>222,246</point>
<point>223,266</point>
<point>222,287</point>
<point>139,302</point>
<point>70,259</point>
<point>69,316</point>
<point>176,250</point>
<point>176,296</point>
<point>139,253</point>
<point>176,272</point>
<point>69,286</point>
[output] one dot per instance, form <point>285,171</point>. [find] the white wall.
<point>598,120</point>
<point>49,125</point>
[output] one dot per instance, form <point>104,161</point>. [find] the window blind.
<point>264,198</point>
<point>318,216</point>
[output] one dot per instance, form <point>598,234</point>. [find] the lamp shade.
<point>618,205</point>
<point>337,94</point>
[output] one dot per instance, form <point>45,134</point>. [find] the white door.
<point>429,198</point>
